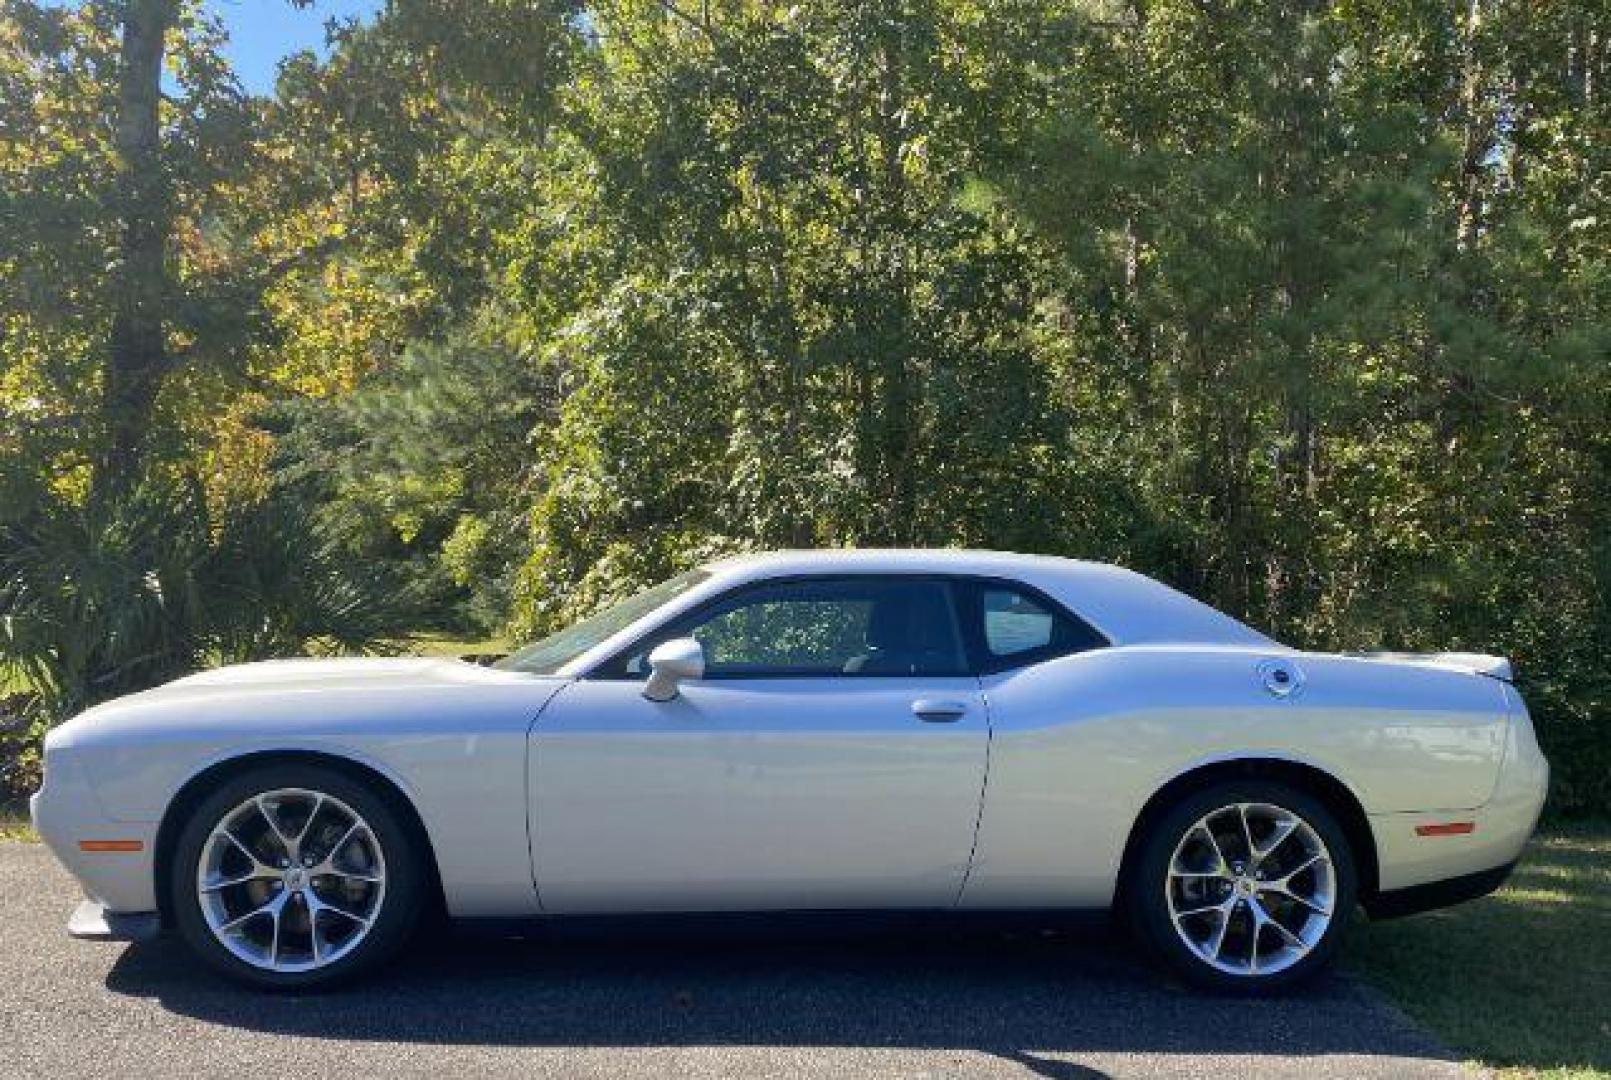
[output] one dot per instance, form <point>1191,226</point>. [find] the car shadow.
<point>1018,994</point>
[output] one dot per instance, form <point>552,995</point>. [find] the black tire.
<point>399,908</point>
<point>1146,900</point>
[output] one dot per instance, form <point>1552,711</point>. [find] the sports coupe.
<point>807,731</point>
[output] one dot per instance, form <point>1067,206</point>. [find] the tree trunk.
<point>1478,133</point>
<point>137,358</point>
<point>897,404</point>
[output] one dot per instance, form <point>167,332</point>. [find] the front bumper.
<point>67,816</point>
<point>90,921</point>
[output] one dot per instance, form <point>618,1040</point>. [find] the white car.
<point>807,731</point>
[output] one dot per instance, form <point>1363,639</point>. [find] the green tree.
<point>782,250</point>
<point>1292,239</point>
<point>515,305</point>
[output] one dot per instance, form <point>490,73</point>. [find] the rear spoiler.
<point>1495,667</point>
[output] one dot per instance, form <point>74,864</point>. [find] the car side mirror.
<point>669,664</point>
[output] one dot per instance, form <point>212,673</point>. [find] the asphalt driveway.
<point>926,1002</point>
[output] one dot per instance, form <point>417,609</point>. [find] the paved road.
<point>925,1003</point>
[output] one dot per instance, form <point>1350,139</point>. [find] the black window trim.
<point>977,657</point>
<point>699,611</point>
<point>986,662</point>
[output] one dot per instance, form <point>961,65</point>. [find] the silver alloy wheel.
<point>291,880</point>
<point>1251,889</point>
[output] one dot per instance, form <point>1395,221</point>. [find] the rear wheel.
<point>1244,887</point>
<point>295,876</point>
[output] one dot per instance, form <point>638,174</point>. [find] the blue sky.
<point>263,32</point>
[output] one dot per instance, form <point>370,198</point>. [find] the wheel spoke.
<point>1247,832</point>
<point>236,924</point>
<point>1291,939</point>
<point>317,908</point>
<point>1213,842</point>
<point>235,841</point>
<point>1262,919</point>
<point>265,935</point>
<point>1219,936</point>
<point>1283,885</point>
<point>313,936</point>
<point>272,908</point>
<point>274,942</point>
<point>1286,878</point>
<point>327,866</point>
<point>352,830</point>
<point>1317,908</point>
<point>317,904</point>
<point>318,804</point>
<point>285,839</point>
<point>1263,944</point>
<point>1283,829</point>
<point>257,873</point>
<point>1313,905</point>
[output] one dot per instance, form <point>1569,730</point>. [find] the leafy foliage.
<point>100,601</point>
<point>518,305</point>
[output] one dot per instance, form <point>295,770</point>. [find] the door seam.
<point>984,787</point>
<point>531,823</point>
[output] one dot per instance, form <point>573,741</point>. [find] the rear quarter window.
<point>1014,626</point>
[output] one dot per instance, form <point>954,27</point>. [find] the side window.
<point>1014,627</point>
<point>821,627</point>
<point>796,634</point>
<point>1013,623</point>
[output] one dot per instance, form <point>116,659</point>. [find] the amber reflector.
<point>111,845</point>
<point>1447,828</point>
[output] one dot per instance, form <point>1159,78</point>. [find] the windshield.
<point>556,650</point>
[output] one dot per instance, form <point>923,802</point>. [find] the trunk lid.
<point>1495,667</point>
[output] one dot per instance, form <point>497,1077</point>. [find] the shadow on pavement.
<point>1014,995</point>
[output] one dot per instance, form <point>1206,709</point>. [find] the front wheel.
<point>294,876</point>
<point>1244,887</point>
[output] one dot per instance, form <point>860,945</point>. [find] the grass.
<point>441,645</point>
<point>1521,980</point>
<point>17,828</point>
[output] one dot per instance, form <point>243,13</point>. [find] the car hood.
<point>392,713</point>
<point>340,671</point>
<point>313,698</point>
<point>383,682</point>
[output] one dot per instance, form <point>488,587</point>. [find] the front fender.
<point>457,752</point>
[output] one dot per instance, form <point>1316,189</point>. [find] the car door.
<point>832,757</point>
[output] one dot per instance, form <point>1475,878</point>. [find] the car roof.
<point>939,560</point>
<point>1127,607</point>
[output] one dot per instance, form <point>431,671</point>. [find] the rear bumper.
<point>1460,854</point>
<point>1437,894</point>
<point>1409,858</point>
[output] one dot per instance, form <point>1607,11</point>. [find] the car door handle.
<point>938,712</point>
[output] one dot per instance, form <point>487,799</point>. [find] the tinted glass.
<point>1011,627</point>
<point>1014,623</point>
<point>842,627</point>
